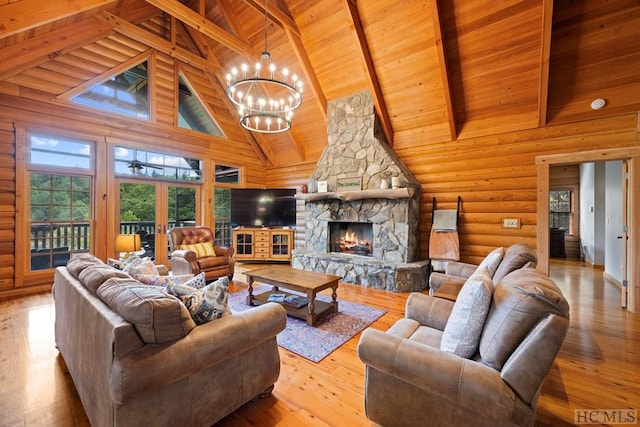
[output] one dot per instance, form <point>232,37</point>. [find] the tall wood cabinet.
<point>262,244</point>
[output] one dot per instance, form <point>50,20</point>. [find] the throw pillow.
<point>198,281</point>
<point>141,266</point>
<point>462,332</point>
<point>201,249</point>
<point>153,280</point>
<point>205,304</point>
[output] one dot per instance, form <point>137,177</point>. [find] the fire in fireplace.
<point>351,238</point>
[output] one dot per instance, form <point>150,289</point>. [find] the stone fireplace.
<point>385,220</point>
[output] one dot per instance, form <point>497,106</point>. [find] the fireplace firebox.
<point>354,238</point>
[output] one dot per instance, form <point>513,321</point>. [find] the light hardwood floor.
<point>596,367</point>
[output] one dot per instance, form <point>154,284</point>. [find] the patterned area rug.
<point>331,330</point>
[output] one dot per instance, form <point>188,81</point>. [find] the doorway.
<point>632,155</point>
<point>151,209</point>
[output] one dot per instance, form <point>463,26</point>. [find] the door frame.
<point>632,154</point>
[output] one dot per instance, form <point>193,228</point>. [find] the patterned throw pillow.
<point>198,281</point>
<point>204,304</point>
<point>140,266</point>
<point>153,280</point>
<point>201,249</point>
<point>462,332</point>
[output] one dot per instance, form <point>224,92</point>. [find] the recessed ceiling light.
<point>598,103</point>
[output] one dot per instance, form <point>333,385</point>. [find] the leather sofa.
<point>410,381</point>
<point>188,262</point>
<point>499,261</point>
<point>158,368</point>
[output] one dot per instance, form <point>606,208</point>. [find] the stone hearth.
<point>357,149</point>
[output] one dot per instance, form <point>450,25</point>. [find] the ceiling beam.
<point>545,55</point>
<point>281,17</point>
<point>202,24</point>
<point>442,59</point>
<point>374,83</point>
<point>264,153</point>
<point>26,14</point>
<point>40,49</point>
<point>128,29</point>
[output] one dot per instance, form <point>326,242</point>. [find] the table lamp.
<point>127,243</point>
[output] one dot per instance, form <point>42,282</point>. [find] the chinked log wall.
<point>495,176</point>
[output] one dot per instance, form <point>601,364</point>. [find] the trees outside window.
<point>560,209</point>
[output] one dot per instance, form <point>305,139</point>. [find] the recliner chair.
<point>410,381</point>
<point>448,284</point>
<point>186,261</point>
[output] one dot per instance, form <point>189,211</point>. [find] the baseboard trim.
<point>610,278</point>
<point>594,266</point>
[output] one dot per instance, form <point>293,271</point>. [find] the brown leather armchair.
<point>187,262</point>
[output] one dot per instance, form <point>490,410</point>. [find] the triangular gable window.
<point>127,93</point>
<point>191,113</point>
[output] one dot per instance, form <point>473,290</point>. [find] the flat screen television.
<point>256,207</point>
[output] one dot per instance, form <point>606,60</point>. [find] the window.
<point>560,209</point>
<point>58,152</point>
<point>127,93</point>
<point>222,214</point>
<point>227,174</point>
<point>192,114</point>
<point>60,202</point>
<point>162,166</point>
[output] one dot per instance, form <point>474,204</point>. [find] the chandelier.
<point>265,97</point>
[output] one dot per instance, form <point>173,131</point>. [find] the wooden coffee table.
<point>307,282</point>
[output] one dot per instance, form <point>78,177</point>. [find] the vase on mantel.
<point>384,184</point>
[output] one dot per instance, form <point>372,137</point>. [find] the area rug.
<point>331,330</point>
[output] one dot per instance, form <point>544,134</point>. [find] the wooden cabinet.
<point>262,244</point>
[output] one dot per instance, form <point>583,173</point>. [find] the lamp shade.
<point>127,243</point>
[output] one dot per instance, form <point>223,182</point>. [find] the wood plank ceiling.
<point>440,70</point>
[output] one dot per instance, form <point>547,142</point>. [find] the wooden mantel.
<point>348,196</point>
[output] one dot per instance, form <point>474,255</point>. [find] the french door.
<point>151,209</point>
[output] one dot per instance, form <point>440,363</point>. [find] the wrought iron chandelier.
<point>265,97</point>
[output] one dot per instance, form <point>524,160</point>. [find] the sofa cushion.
<point>520,301</point>
<point>157,316</point>
<point>201,249</point>
<point>79,262</point>
<point>162,280</point>
<point>205,304</point>
<point>515,257</point>
<point>464,326</point>
<point>95,275</point>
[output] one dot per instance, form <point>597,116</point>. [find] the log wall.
<point>495,176</point>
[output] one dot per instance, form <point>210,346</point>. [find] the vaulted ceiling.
<point>439,70</point>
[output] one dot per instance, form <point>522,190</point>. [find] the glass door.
<point>152,209</point>
<point>138,214</point>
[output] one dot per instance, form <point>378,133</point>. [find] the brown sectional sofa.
<point>157,368</point>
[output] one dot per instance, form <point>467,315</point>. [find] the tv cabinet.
<point>262,244</point>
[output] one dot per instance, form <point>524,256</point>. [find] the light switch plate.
<point>510,222</point>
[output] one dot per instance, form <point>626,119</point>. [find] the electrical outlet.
<point>510,223</point>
